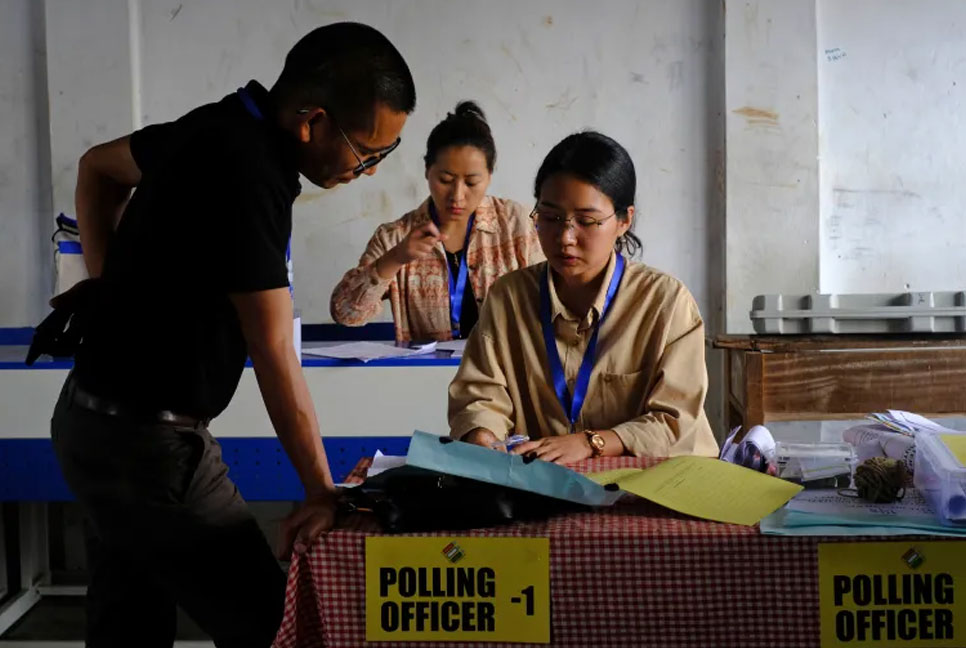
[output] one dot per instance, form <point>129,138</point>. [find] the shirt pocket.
<point>620,397</point>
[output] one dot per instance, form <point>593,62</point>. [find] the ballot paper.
<point>492,466</point>
<point>706,488</point>
<point>366,351</point>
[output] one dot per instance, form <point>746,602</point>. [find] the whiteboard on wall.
<point>892,142</point>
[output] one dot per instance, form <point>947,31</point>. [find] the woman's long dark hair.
<point>602,162</point>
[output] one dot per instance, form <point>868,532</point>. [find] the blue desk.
<point>362,407</point>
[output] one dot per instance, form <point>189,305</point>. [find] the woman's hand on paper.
<point>566,449</point>
<point>482,437</point>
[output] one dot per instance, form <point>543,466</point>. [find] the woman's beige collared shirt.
<point>648,383</point>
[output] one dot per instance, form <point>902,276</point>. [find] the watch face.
<point>598,441</point>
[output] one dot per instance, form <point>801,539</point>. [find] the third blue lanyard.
<point>457,285</point>
<point>573,404</point>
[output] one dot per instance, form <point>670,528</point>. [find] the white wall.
<point>643,72</point>
<point>772,166</point>
<point>640,72</point>
<point>892,78</point>
<point>25,214</point>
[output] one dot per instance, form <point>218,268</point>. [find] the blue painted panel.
<point>69,247</point>
<point>339,333</point>
<point>21,335</point>
<point>259,467</point>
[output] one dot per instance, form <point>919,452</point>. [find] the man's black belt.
<point>87,400</point>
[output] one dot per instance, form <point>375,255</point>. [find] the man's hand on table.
<point>301,528</point>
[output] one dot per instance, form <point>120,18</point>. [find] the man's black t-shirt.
<point>212,215</point>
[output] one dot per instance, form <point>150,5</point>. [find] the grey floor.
<point>61,618</point>
<point>58,621</point>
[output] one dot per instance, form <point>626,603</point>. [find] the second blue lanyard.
<point>457,284</point>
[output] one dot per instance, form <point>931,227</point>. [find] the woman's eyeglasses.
<point>552,219</point>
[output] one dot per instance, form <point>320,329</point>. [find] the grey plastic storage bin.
<point>913,312</point>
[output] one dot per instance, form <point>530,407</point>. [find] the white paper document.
<point>382,463</point>
<point>366,351</point>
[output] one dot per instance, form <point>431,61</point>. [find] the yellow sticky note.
<point>957,445</point>
<point>605,477</point>
<point>711,489</point>
<point>894,594</point>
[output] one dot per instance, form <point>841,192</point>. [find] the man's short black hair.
<point>346,68</point>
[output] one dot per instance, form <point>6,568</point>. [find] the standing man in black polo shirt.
<point>192,278</point>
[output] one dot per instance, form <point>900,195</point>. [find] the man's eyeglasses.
<point>370,161</point>
<point>367,163</point>
<point>553,219</point>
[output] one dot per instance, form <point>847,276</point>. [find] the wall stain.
<point>548,21</point>
<point>637,77</point>
<point>506,50</point>
<point>757,116</point>
<point>563,102</point>
<point>174,14</point>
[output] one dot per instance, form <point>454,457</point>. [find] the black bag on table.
<point>409,499</point>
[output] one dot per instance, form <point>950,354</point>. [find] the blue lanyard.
<point>253,110</point>
<point>457,285</point>
<point>572,406</point>
<point>250,104</point>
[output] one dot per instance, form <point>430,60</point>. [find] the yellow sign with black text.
<point>458,589</point>
<point>894,594</point>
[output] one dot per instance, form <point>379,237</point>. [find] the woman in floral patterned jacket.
<point>436,263</point>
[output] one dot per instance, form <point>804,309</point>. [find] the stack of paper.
<point>366,351</point>
<point>908,423</point>
<point>827,512</point>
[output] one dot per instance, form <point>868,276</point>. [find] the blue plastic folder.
<point>494,467</point>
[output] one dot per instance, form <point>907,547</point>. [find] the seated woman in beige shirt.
<point>588,354</point>
<point>436,263</point>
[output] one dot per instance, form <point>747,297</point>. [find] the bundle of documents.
<point>827,512</point>
<point>366,351</point>
<point>907,423</point>
<point>494,467</point>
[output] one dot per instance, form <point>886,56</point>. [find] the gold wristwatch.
<point>596,442</point>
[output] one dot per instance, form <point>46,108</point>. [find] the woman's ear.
<point>625,224</point>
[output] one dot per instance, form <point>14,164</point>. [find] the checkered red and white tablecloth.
<point>632,575</point>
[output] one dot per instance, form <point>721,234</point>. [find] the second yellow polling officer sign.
<point>458,589</point>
